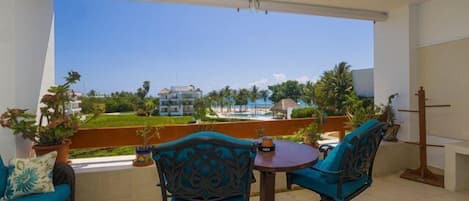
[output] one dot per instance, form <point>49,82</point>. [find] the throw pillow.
<point>29,176</point>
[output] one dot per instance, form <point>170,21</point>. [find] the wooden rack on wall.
<point>423,174</point>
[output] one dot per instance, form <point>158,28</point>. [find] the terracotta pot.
<point>62,150</point>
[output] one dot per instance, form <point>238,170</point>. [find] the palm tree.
<point>213,97</point>
<point>241,97</point>
<point>308,93</point>
<point>221,99</point>
<point>342,84</point>
<point>227,96</point>
<point>264,94</point>
<point>254,95</point>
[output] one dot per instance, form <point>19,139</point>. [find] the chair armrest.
<point>325,148</point>
<point>64,174</point>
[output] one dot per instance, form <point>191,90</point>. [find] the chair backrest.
<point>205,166</point>
<point>358,160</point>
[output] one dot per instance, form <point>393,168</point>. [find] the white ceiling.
<point>372,5</point>
<point>356,9</point>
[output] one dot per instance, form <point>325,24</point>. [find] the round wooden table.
<point>288,156</point>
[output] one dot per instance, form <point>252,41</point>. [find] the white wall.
<point>441,21</point>
<point>7,73</point>
<point>26,61</point>
<point>394,67</point>
<point>397,44</point>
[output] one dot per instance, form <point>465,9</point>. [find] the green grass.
<point>128,119</point>
<point>134,120</point>
<point>293,138</point>
<point>101,152</point>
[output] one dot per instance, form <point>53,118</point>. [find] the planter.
<point>62,150</point>
<point>390,134</point>
<point>143,156</point>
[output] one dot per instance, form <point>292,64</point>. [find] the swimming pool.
<point>249,116</point>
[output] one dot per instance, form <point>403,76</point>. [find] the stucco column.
<point>395,67</point>
<point>26,62</point>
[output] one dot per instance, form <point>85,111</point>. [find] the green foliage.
<point>264,94</point>
<point>359,110</point>
<point>254,95</point>
<point>289,89</point>
<point>330,92</point>
<point>304,112</point>
<point>241,97</point>
<point>201,107</point>
<point>310,134</point>
<point>122,102</point>
<point>308,93</point>
<point>58,125</point>
<point>90,104</point>
<point>142,92</point>
<point>148,132</point>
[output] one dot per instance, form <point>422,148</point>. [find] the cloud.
<point>260,83</point>
<point>302,79</point>
<point>279,77</point>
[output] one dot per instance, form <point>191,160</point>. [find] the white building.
<point>363,82</point>
<point>178,100</point>
<point>74,105</point>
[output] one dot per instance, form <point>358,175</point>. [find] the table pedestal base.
<point>267,186</point>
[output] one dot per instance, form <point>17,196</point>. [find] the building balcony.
<point>114,178</point>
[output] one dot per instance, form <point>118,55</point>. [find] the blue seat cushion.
<point>61,193</point>
<point>3,177</point>
<point>332,161</point>
<point>313,180</point>
<point>236,198</point>
<point>360,130</point>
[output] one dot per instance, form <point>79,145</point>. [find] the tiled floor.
<point>388,188</point>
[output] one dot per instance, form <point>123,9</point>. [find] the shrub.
<point>141,112</point>
<point>303,112</point>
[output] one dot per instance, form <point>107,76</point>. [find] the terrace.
<point>416,43</point>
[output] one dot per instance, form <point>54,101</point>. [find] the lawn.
<point>134,120</point>
<point>127,119</point>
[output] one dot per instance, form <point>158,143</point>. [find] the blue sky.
<point>117,44</point>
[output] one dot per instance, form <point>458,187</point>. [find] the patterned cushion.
<point>3,177</point>
<point>29,176</point>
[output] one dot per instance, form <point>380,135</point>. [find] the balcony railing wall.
<point>125,136</point>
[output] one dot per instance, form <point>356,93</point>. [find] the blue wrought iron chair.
<point>347,169</point>
<point>205,166</point>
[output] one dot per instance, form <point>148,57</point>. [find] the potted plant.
<point>56,125</point>
<point>143,152</point>
<point>388,116</point>
<point>310,134</point>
